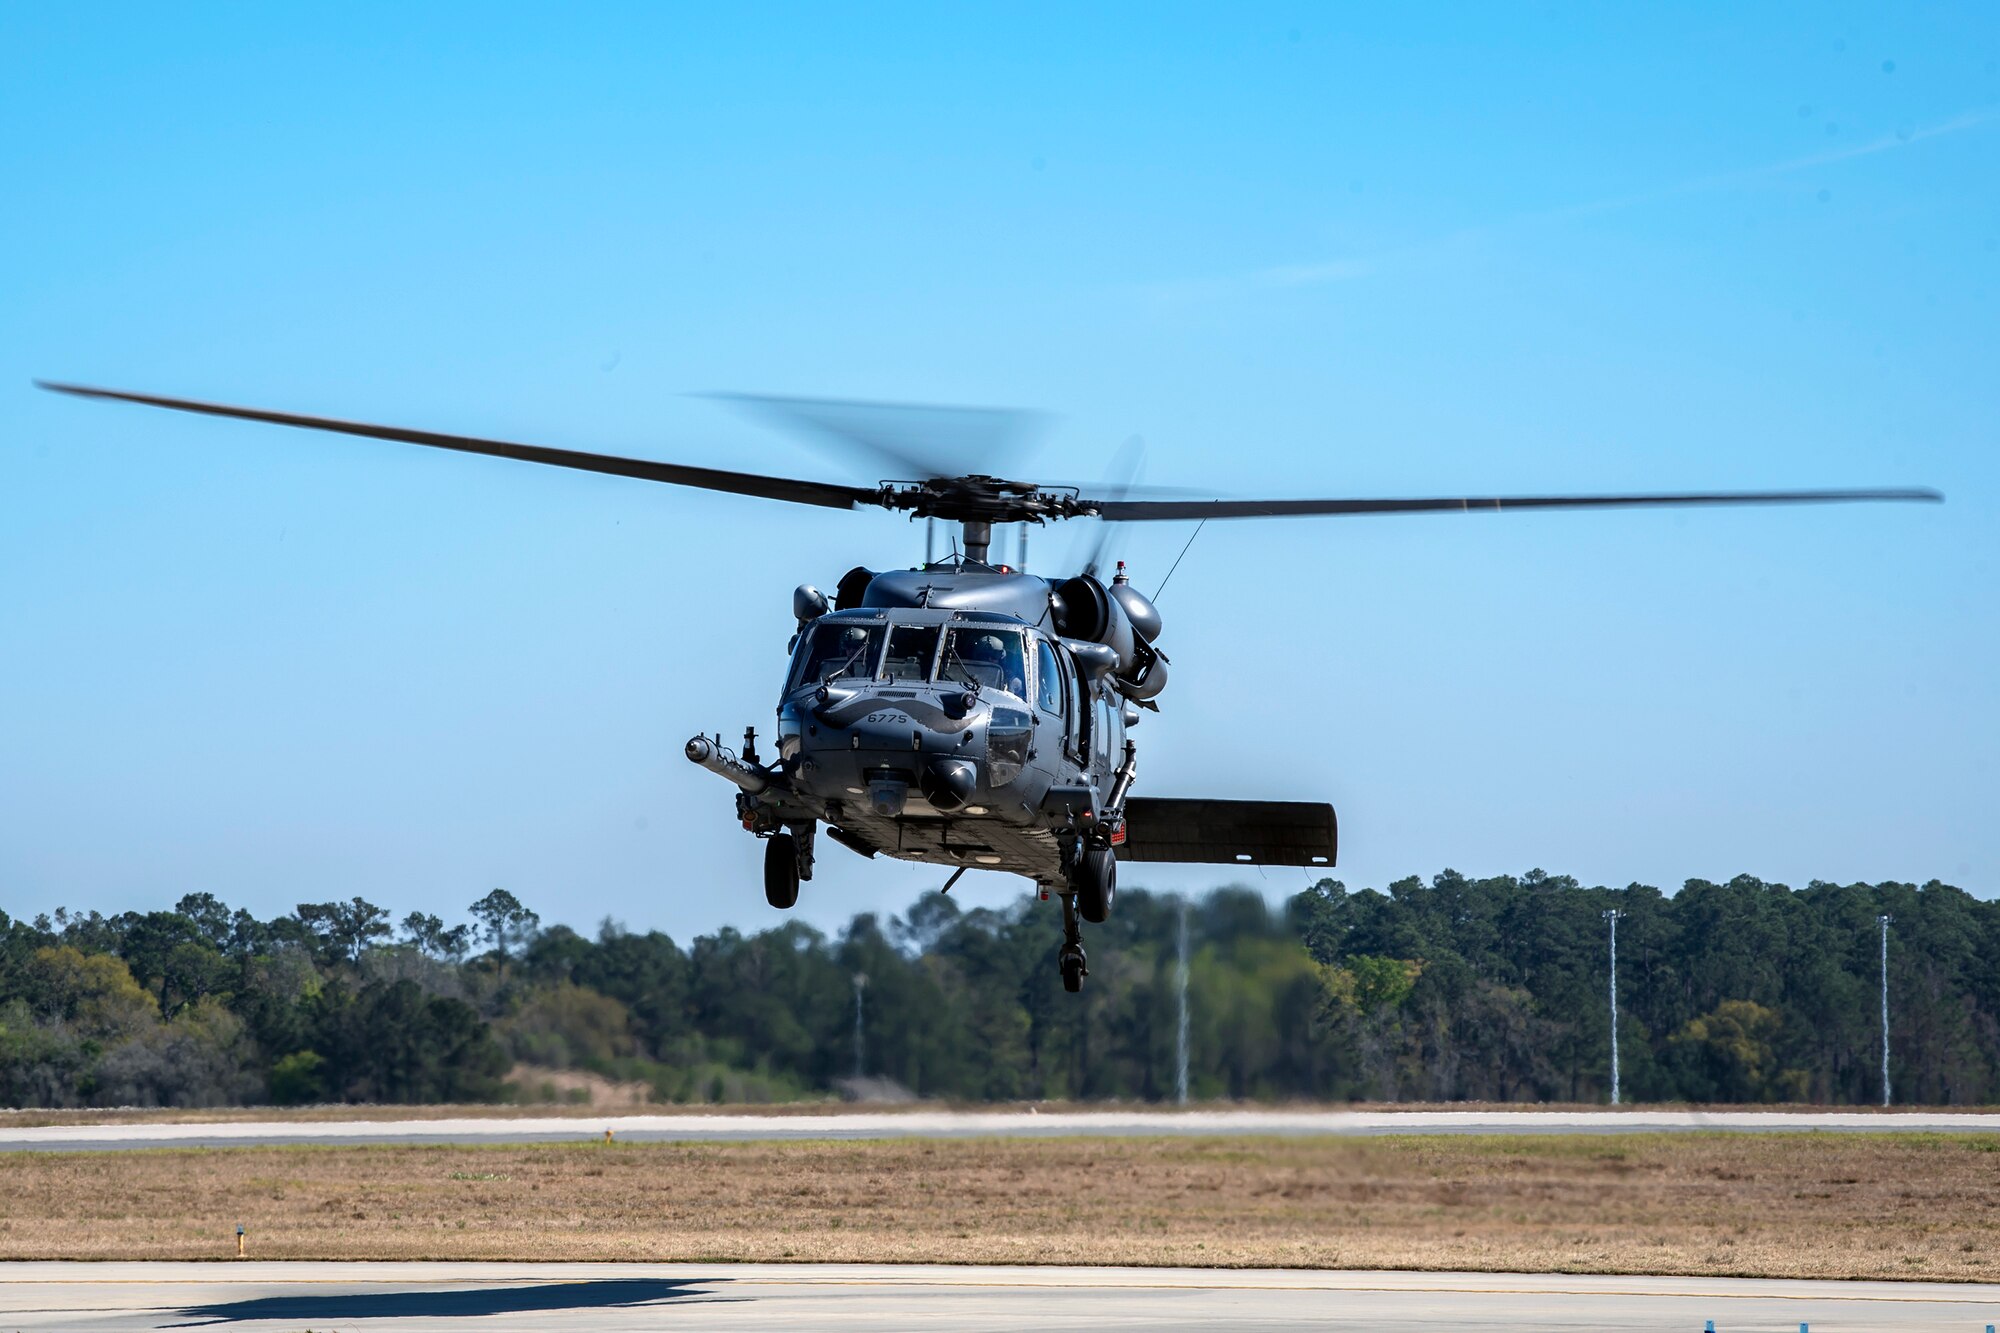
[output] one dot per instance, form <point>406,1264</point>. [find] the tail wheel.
<point>1096,883</point>
<point>781,871</point>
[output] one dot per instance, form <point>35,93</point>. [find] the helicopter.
<point>967,713</point>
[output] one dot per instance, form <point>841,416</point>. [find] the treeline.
<point>1459,989</point>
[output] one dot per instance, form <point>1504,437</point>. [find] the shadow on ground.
<point>459,1302</point>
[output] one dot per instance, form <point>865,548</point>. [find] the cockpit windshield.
<point>840,650</point>
<point>987,657</point>
<point>912,649</point>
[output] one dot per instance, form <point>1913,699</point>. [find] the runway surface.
<point>946,1124</point>
<point>571,1298</point>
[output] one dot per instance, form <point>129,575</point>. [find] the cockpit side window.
<point>838,650</point>
<point>1048,683</point>
<point>912,649</point>
<point>1082,697</point>
<point>987,657</point>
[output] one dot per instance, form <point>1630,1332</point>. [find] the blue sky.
<point>1299,253</point>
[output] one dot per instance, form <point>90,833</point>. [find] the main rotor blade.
<point>711,479</point>
<point>918,441</point>
<point>1126,465</point>
<point>1139,511</point>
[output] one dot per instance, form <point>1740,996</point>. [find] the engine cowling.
<point>1147,682</point>
<point>1122,619</point>
<point>1139,609</point>
<point>852,588</point>
<point>1085,609</point>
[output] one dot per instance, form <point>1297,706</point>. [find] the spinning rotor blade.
<point>1140,511</point>
<point>916,441</point>
<point>736,483</point>
<point>1126,466</point>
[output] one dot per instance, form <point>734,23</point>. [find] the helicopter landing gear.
<point>781,871</point>
<point>1075,966</point>
<point>788,858</point>
<point>1095,880</point>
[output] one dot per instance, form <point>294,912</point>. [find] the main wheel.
<point>1096,883</point>
<point>781,871</point>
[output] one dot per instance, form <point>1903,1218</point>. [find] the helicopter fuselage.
<point>943,720</point>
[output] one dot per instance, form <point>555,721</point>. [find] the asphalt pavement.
<point>572,1298</point>
<point>873,1124</point>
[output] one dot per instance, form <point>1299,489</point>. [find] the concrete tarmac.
<point>572,1298</point>
<point>970,1124</point>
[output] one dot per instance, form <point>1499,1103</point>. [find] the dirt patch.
<point>1769,1205</point>
<point>537,1089</point>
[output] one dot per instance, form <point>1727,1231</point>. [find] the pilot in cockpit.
<point>840,650</point>
<point>986,661</point>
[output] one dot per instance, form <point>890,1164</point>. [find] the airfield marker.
<point>239,1249</point>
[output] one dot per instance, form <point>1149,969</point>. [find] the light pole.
<point>860,1049</point>
<point>1884,920</point>
<point>1611,915</point>
<point>1181,1040</point>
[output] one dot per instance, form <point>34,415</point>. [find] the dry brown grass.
<point>1774,1205</point>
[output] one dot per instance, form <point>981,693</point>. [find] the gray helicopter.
<point>969,714</point>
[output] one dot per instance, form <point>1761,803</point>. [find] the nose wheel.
<point>1071,961</point>
<point>781,871</point>
<point>1093,880</point>
<point>1074,967</point>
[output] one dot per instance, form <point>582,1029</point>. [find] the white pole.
<point>1612,915</point>
<point>1181,1043</point>
<point>860,980</point>
<point>1885,1008</point>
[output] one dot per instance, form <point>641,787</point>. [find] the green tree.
<point>565,1025</point>
<point>93,993</point>
<point>504,922</point>
<point>342,931</point>
<point>296,1079</point>
<point>1728,1054</point>
<point>210,917</point>
<point>393,1043</point>
<point>431,937</point>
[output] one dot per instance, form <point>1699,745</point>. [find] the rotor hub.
<point>977,498</point>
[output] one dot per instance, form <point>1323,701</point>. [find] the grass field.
<point>1890,1206</point>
